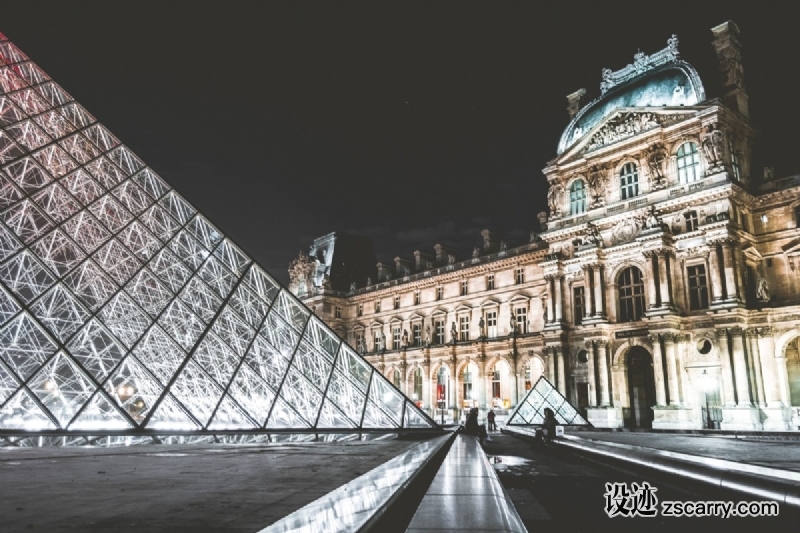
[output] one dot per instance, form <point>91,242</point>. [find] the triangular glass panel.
<point>542,396</point>
<point>252,393</point>
<point>22,412</point>
<point>331,417</point>
<point>100,414</point>
<point>62,388</point>
<point>143,294</point>
<point>8,384</point>
<point>230,416</point>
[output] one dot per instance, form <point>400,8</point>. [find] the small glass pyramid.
<point>123,308</point>
<point>530,410</point>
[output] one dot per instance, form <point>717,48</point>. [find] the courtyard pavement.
<point>193,488</point>
<point>780,454</point>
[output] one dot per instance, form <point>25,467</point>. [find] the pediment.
<point>520,297</point>
<point>376,324</point>
<point>463,308</point>
<point>438,312</point>
<point>415,316</point>
<point>490,303</point>
<point>624,124</point>
<point>792,247</point>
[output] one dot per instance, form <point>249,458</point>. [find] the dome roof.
<point>651,81</point>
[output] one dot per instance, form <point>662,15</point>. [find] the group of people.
<point>544,434</point>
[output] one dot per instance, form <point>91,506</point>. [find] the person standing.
<point>490,419</point>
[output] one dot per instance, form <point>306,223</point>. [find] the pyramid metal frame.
<point>123,309</point>
<point>530,411</point>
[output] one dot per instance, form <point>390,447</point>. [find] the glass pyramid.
<point>542,395</point>
<point>123,308</point>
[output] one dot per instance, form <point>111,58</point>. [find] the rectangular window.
<point>378,341</point>
<point>416,330</point>
<point>439,293</point>
<point>416,298</point>
<point>397,302</point>
<point>396,338</point>
<point>377,306</point>
<point>691,220</point>
<point>522,319</point>
<point>463,287</point>
<point>463,329</point>
<point>698,287</point>
<point>491,324</point>
<point>337,312</point>
<point>735,167</point>
<point>578,304</point>
<point>438,328</point>
<point>490,282</point>
<point>519,276</point>
<point>360,310</point>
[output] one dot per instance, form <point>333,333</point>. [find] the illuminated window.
<point>418,385</point>
<point>491,324</point>
<point>522,319</point>
<point>631,295</point>
<point>467,384</point>
<point>416,331</point>
<point>396,378</point>
<point>463,329</point>
<point>378,341</point>
<point>735,165</point>
<point>438,328</point>
<point>396,338</point>
<point>490,282</point>
<point>688,161</point>
<point>577,198</point>
<point>629,181</point>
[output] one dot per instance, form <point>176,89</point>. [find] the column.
<point>714,274</point>
<point>592,373</point>
<point>658,370</point>
<point>766,349</point>
<point>588,295</point>
<point>515,389</point>
<point>426,386</point>
<point>452,390</point>
<point>740,369</point>
<point>599,308</point>
<point>672,368</point>
<point>550,299</point>
<point>729,266</point>
<point>652,290</point>
<point>725,364</point>
<point>558,297</point>
<point>551,364</point>
<point>404,378</point>
<point>602,365</point>
<point>481,384</point>
<point>663,279</point>
<point>755,362</point>
<point>562,374</point>
<point>783,380</point>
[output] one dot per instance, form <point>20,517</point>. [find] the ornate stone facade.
<point>662,290</point>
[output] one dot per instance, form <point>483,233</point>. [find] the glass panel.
<point>62,388</point>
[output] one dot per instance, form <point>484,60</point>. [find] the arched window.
<point>688,163</point>
<point>577,198</point>
<point>396,378</point>
<point>631,295</point>
<point>629,181</point>
<point>418,385</point>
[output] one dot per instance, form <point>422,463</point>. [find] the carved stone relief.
<point>627,125</point>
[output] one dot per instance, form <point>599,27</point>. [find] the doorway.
<point>641,388</point>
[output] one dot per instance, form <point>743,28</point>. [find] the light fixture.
<point>764,218</point>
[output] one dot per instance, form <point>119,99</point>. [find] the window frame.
<point>577,197</point>
<point>519,275</point>
<point>490,282</point>
<point>439,293</point>
<point>690,220</point>
<point>491,328</point>
<point>416,334</point>
<point>464,287</point>
<point>521,312</point>
<point>631,306</point>
<point>337,311</point>
<point>578,304</point>
<point>463,328</point>
<point>395,337</point>
<point>688,164</point>
<point>699,295</point>
<point>629,172</point>
<point>439,331</point>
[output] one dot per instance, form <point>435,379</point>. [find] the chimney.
<point>491,241</point>
<point>384,272</point>
<point>729,54</point>
<point>422,261</point>
<point>575,102</point>
<point>444,254</point>
<point>403,267</point>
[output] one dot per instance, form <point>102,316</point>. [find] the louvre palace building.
<point>660,290</point>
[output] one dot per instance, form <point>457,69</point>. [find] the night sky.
<point>411,123</point>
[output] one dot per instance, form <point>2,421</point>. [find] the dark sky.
<point>409,122</point>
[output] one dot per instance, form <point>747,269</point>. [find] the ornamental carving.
<point>627,125</point>
<point>656,156</point>
<point>554,196</point>
<point>596,181</point>
<point>301,272</point>
<point>641,63</point>
<point>626,230</point>
<point>713,142</point>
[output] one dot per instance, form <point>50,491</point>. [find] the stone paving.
<point>780,454</point>
<point>175,488</point>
